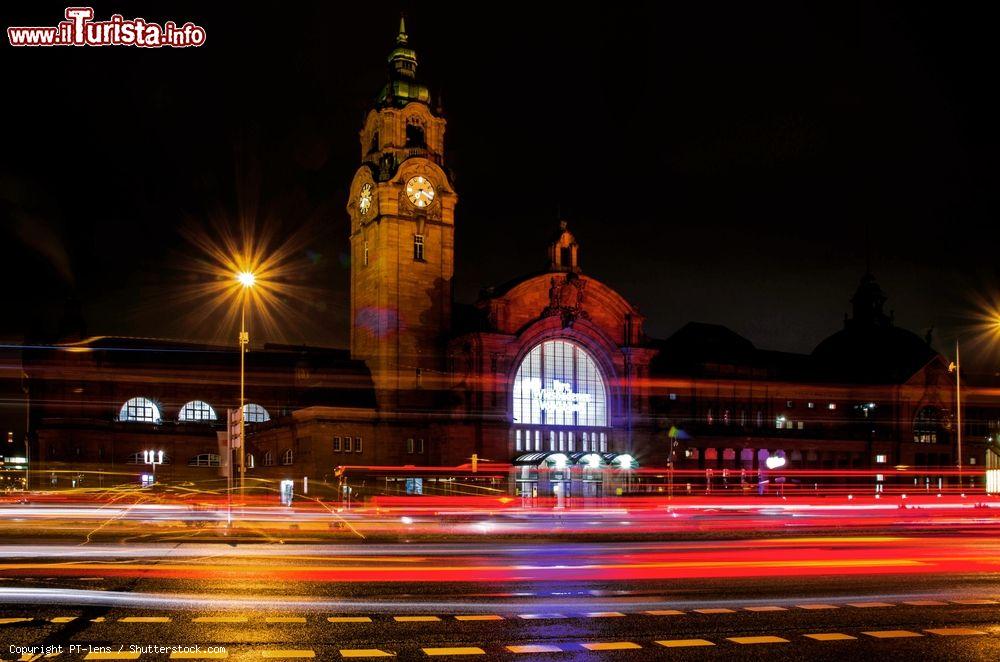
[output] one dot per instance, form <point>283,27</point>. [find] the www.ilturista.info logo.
<point>79,29</point>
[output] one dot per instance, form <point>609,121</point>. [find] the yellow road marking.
<point>62,619</point>
<point>766,608</point>
<point>758,640</point>
<point>300,652</point>
<point>604,614</point>
<point>953,632</point>
<point>479,617</point>
<point>611,646</point>
<point>144,619</point>
<point>198,655</point>
<point>6,621</point>
<point>830,636</point>
<point>715,611</point>
<point>221,619</point>
<point>415,619</point>
<point>364,652</point>
<point>349,619</point>
<point>534,617</point>
<point>112,655</point>
<point>817,606</point>
<point>663,612</point>
<point>866,605</point>
<point>684,643</point>
<point>892,634</point>
<point>925,603</point>
<point>534,648</point>
<point>460,650</point>
<point>28,657</point>
<point>974,602</point>
<point>285,619</point>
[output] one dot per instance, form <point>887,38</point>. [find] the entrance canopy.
<point>588,460</point>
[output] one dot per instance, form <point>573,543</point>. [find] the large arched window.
<point>139,410</point>
<point>196,410</point>
<point>558,383</point>
<point>254,413</point>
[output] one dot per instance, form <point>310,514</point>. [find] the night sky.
<point>717,163</point>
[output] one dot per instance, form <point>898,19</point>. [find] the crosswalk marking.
<point>198,655</point>
<point>664,612</point>
<point>830,636</point>
<point>349,619</point>
<point>220,619</point>
<point>282,653</point>
<point>534,648</point>
<point>604,614</point>
<point>112,655</point>
<point>716,611</point>
<point>458,650</point>
<point>415,619</point>
<point>767,639</point>
<point>684,643</point>
<point>953,632</point>
<point>365,652</point>
<point>815,606</point>
<point>925,603</point>
<point>868,605</point>
<point>144,619</point>
<point>478,617</point>
<point>768,608</point>
<point>892,634</point>
<point>285,619</point>
<point>611,646</point>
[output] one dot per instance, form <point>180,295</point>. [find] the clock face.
<point>365,199</point>
<point>420,191</point>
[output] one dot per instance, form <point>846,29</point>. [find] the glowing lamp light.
<point>774,462</point>
<point>246,278</point>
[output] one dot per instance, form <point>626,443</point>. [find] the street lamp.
<point>246,280</point>
<point>153,458</point>
<point>956,367</point>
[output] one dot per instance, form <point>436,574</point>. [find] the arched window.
<point>929,426</point>
<point>414,133</point>
<point>250,462</point>
<point>374,146</point>
<point>254,413</point>
<point>558,383</point>
<point>196,410</point>
<point>268,459</point>
<point>287,457</point>
<point>139,410</point>
<point>205,460</point>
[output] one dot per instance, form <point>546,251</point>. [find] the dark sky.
<point>717,162</point>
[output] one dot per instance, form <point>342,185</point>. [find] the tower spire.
<point>402,37</point>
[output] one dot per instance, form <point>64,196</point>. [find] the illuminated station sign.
<point>558,398</point>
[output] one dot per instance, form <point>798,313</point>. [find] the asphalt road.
<point>253,609</point>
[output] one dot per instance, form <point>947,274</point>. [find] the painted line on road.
<point>768,608</point>
<point>220,619</point>
<point>604,614</point>
<point>721,610</point>
<point>954,632</point>
<point>349,619</point>
<point>198,655</point>
<point>664,612</point>
<point>684,643</point>
<point>925,603</point>
<point>458,650</point>
<point>766,639</point>
<point>971,601</point>
<point>892,634</point>
<point>416,619</point>
<point>285,619</point>
<point>478,617</point>
<point>611,646</point>
<point>365,652</point>
<point>869,605</point>
<point>144,619</point>
<point>8,621</point>
<point>62,619</point>
<point>536,617</point>
<point>534,648</point>
<point>815,606</point>
<point>112,655</point>
<point>830,636</point>
<point>283,653</point>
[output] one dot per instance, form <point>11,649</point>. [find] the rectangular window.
<point>420,445</point>
<point>604,442</point>
<point>347,444</point>
<point>801,425</point>
<point>538,440</point>
<point>357,444</point>
<point>832,405</point>
<point>569,441</point>
<point>409,446</point>
<point>789,404</point>
<point>880,458</point>
<point>552,440</point>
<point>562,441</point>
<point>673,396</point>
<point>811,405</point>
<point>366,253</point>
<point>418,247</point>
<point>517,440</point>
<point>336,444</point>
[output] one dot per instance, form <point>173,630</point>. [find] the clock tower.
<point>402,209</point>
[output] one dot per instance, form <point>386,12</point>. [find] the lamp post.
<point>956,367</point>
<point>246,280</point>
<point>153,458</point>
